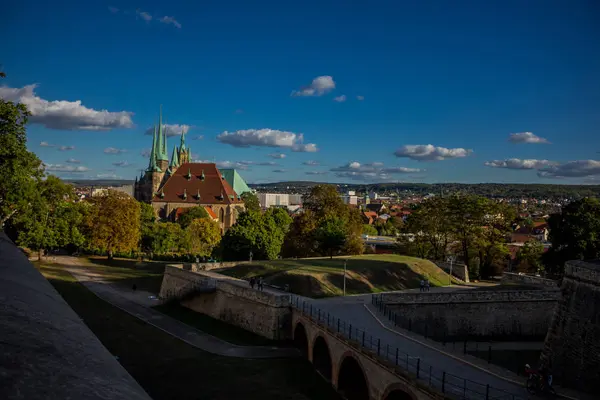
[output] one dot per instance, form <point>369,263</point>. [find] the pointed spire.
<point>174,158</point>
<point>161,146</point>
<point>182,145</point>
<point>152,165</point>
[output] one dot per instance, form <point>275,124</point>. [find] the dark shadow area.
<point>215,327</point>
<point>353,285</point>
<point>512,360</point>
<point>398,395</point>
<point>322,358</point>
<point>168,368</point>
<point>300,339</point>
<point>351,381</point>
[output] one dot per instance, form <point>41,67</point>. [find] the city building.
<point>178,183</point>
<point>268,200</point>
<point>350,198</point>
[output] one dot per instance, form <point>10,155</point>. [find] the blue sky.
<point>261,78</point>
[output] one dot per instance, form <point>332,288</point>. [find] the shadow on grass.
<point>168,368</point>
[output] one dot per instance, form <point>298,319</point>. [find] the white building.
<point>268,200</point>
<point>350,197</point>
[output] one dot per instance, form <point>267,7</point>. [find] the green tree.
<point>114,223</point>
<point>147,221</point>
<point>574,234</point>
<point>281,217</point>
<point>251,202</point>
<point>492,249</point>
<point>300,240</point>
<point>430,223</point>
<point>331,235</point>
<point>168,237</point>
<point>20,169</point>
<point>529,256</point>
<point>369,230</point>
<point>203,236</point>
<point>191,214</point>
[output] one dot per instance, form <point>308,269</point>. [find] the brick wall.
<point>572,346</point>
<point>522,279</point>
<point>497,315</point>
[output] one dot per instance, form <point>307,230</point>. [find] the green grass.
<point>168,368</point>
<point>324,276</point>
<point>220,329</point>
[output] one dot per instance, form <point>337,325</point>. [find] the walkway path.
<point>138,305</point>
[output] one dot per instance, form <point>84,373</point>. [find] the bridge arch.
<point>398,391</point>
<point>351,379</point>
<point>321,357</point>
<point>300,339</point>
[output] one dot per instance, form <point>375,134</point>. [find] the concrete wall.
<point>498,315</point>
<point>195,267</point>
<point>572,347</point>
<point>459,271</point>
<point>47,350</point>
<point>522,279</point>
<point>232,301</point>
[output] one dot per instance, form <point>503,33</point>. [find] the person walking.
<point>422,286</point>
<point>260,283</point>
<point>252,282</point>
<point>427,285</point>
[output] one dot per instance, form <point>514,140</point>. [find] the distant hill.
<point>99,182</point>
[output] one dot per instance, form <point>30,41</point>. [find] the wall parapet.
<point>459,271</point>
<point>523,279</point>
<point>588,271</point>
<point>470,296</point>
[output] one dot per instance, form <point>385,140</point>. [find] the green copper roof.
<point>152,165</point>
<point>161,148</point>
<point>182,145</point>
<point>235,181</point>
<point>174,158</point>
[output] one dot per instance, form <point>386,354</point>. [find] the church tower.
<point>185,155</point>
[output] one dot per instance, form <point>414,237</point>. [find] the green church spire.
<point>152,165</point>
<point>161,148</point>
<point>174,159</point>
<point>182,145</point>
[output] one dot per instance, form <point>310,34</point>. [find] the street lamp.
<point>450,259</point>
<point>345,277</point>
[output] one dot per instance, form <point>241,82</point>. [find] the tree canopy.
<point>191,214</point>
<point>203,236</point>
<point>251,202</point>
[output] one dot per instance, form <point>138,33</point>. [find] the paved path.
<point>138,305</point>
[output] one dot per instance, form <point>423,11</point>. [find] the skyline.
<point>493,92</point>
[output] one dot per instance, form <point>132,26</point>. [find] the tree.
<point>191,214</point>
<point>529,256</point>
<point>331,235</point>
<point>430,224</point>
<point>203,236</point>
<point>369,230</point>
<point>251,202</point>
<point>114,223</point>
<point>147,221</point>
<point>300,240</point>
<point>281,217</point>
<point>574,234</point>
<point>167,237</point>
<point>20,169</point>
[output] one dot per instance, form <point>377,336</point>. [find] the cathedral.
<point>171,186</point>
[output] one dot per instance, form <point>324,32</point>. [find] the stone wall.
<point>459,271</point>
<point>232,301</point>
<point>497,315</point>
<point>523,279</point>
<point>47,350</point>
<point>196,267</point>
<point>572,347</point>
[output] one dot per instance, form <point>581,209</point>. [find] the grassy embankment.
<point>168,368</point>
<point>323,277</point>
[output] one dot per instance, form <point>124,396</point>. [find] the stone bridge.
<point>357,374</point>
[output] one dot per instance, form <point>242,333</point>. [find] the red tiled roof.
<point>211,213</point>
<point>210,188</point>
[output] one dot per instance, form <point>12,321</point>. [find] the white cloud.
<point>572,169</point>
<point>65,168</point>
<point>527,137</point>
<point>517,163</point>
<point>113,10</point>
<point>340,99</point>
<point>171,129</point>
<point>370,171</point>
<point>229,164</point>
<point>199,137</point>
<point>311,163</point>
<point>360,98</point>
<point>316,172</point>
<point>279,171</point>
<point>429,152</point>
<point>266,138</point>
<point>318,87</point>
<point>121,164</point>
<point>46,144</point>
<point>73,161</point>
<point>145,152</point>
<point>66,148</point>
<point>65,115</point>
<point>107,176</point>
<point>277,155</point>
<point>144,15</point>
<point>170,20</point>
<point>114,150</point>
<point>267,163</point>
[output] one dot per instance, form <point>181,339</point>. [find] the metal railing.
<point>452,386</point>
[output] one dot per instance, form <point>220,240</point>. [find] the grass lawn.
<point>168,368</point>
<point>220,329</point>
<point>324,276</point>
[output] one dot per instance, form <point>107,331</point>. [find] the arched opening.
<point>398,395</point>
<point>352,383</point>
<point>322,358</point>
<point>300,339</point>
<point>221,215</point>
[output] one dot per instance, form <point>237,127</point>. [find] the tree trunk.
<point>40,254</point>
<point>110,255</point>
